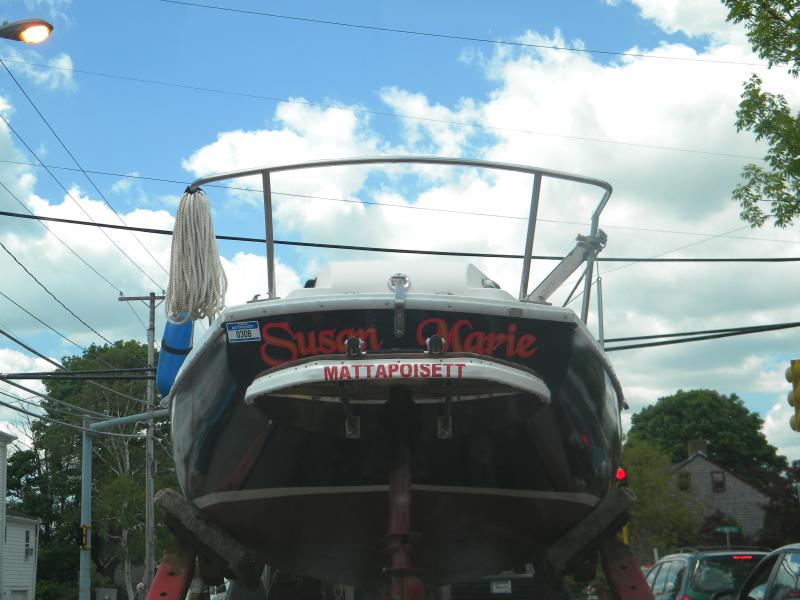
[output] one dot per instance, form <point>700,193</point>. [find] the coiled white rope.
<point>197,281</point>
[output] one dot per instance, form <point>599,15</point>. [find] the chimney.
<point>698,447</point>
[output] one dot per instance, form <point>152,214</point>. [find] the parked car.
<point>697,574</point>
<point>774,578</point>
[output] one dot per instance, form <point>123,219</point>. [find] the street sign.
<point>727,529</point>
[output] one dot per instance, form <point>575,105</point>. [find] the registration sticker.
<point>243,331</point>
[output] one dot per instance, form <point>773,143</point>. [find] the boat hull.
<point>338,534</point>
<point>519,470</point>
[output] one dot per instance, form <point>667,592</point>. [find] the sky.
<point>147,95</point>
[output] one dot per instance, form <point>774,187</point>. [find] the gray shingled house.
<point>709,487</point>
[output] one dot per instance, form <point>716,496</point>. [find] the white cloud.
<point>125,184</point>
<point>247,274</point>
<point>776,428</point>
<point>692,17</point>
<point>56,75</point>
<point>703,19</point>
<point>302,133</point>
<point>56,9</point>
<point>12,361</point>
<point>432,132</point>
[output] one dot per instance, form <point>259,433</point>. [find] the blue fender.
<point>176,344</point>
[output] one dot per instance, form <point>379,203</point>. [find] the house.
<point>709,487</point>
<point>5,440</point>
<point>20,556</point>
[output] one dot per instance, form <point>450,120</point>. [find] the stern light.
<point>621,476</point>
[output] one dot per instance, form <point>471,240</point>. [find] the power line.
<point>626,259</point>
<point>50,327</point>
<point>63,243</point>
<point>70,376</point>
<point>63,423</point>
<point>658,257</point>
<point>700,332</point>
<point>70,196</point>
<point>82,410</point>
<point>52,295</point>
<point>457,37</point>
<point>700,338</point>
<point>75,160</point>
<point>68,247</point>
<point>62,367</point>
<point>392,114</point>
<point>410,207</point>
<point>58,412</point>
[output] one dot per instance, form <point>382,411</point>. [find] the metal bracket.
<point>399,283</point>
<point>352,422</point>
<point>586,247</point>
<point>444,423</point>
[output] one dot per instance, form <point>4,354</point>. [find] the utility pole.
<point>90,429</point>
<point>149,518</point>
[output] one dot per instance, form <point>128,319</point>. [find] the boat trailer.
<point>208,552</point>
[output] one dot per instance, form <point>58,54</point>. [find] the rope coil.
<point>197,281</point>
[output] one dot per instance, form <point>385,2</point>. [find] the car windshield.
<point>714,573</point>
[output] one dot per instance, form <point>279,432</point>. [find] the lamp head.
<point>29,31</point>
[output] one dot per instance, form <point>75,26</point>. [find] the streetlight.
<point>30,31</point>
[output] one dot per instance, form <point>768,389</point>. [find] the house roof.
<point>699,455</point>
<point>18,516</point>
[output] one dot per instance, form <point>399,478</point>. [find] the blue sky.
<point>661,131</point>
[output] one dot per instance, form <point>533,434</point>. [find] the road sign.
<point>727,529</point>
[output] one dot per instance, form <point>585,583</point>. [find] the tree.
<point>782,518</point>
<point>659,518</point>
<point>736,441</point>
<point>45,480</point>
<point>773,28</point>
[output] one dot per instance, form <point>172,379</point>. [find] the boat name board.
<point>282,343</point>
<point>395,370</point>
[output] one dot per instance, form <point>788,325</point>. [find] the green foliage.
<point>708,535</point>
<point>45,481</point>
<point>733,432</point>
<point>782,519</point>
<point>48,589</point>
<point>659,518</point>
<point>773,28</point>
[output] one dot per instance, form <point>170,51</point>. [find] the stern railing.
<point>538,175</point>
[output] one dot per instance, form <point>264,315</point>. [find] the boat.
<point>401,421</point>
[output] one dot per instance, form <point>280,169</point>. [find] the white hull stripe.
<point>274,493</point>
